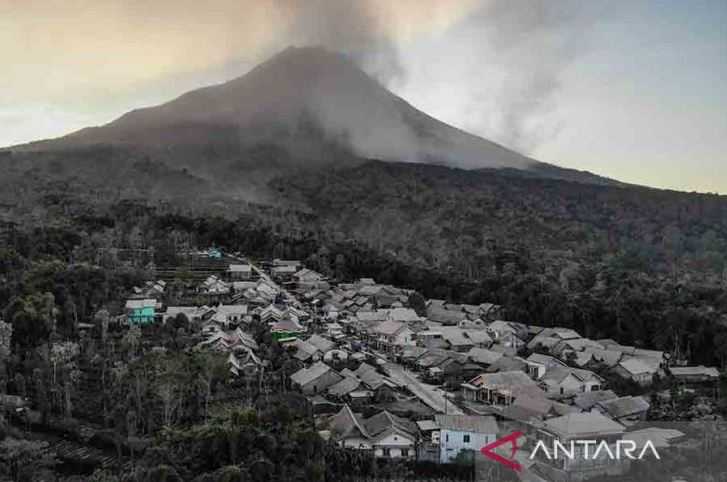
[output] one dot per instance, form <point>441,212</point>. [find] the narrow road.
<point>429,395</point>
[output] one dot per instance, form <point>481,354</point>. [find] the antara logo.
<point>488,451</point>
<point>593,450</point>
<point>575,449</point>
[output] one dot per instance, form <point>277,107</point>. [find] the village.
<point>400,377</point>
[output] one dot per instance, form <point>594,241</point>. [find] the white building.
<point>463,432</point>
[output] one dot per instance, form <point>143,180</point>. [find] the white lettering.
<point>557,447</point>
<point>603,446</point>
<point>586,444</point>
<point>653,450</point>
<point>627,451</point>
<point>628,448</point>
<point>540,446</point>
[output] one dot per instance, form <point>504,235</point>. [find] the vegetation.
<point>643,267</point>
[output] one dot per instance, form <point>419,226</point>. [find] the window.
<point>446,437</point>
<point>404,452</point>
<point>466,438</point>
<point>387,452</point>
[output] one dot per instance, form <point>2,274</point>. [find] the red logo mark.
<point>488,451</point>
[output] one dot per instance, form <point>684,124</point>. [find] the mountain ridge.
<point>311,106</point>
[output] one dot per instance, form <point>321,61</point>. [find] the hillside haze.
<point>303,107</point>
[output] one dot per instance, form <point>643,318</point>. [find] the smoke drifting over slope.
<point>532,42</point>
<point>144,44</point>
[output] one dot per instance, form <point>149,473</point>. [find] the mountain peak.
<point>309,104</point>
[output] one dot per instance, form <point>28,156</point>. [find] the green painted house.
<point>141,312</point>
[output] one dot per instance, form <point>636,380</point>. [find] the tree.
<point>131,340</point>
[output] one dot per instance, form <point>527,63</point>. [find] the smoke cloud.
<point>528,45</point>
<point>535,41</point>
<point>102,58</point>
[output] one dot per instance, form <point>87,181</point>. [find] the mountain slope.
<point>303,107</point>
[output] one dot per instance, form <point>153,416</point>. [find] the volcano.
<point>303,107</point>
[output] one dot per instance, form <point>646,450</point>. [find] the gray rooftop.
<point>467,423</point>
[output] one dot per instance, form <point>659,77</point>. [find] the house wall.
<point>452,442</point>
<point>536,370</point>
<point>405,338</point>
<point>355,443</point>
<point>142,316</point>
<point>395,442</point>
<point>640,378</point>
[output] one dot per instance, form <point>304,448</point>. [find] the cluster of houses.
<point>546,381</point>
<point>400,377</point>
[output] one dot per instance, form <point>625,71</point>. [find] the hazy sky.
<point>631,89</point>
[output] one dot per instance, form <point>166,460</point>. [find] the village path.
<point>428,394</point>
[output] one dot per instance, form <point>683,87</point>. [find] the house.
<point>214,286</point>
<point>580,426</point>
<point>431,339</point>
<point>393,336</point>
<point>463,432</point>
<point>483,357</point>
<point>335,355</point>
<point>392,436</point>
<point>384,434</point>
<point>287,262</point>
<point>500,388</point>
<point>567,381</point>
<point>564,347</point>
<point>498,329</point>
<point>347,430</point>
<point>194,314</point>
<point>476,324</point>
<point>151,289</point>
<point>438,313</point>
<point>284,272</point>
<point>586,401</point>
<point>239,272</point>
<point>507,364</point>
<point>526,409</point>
<point>383,387</point>
<point>479,337</point>
<point>491,312</point>
<point>141,312</point>
<point>625,410</point>
<point>322,344</point>
<point>561,333</point>
<point>637,370</point>
<point>696,374</point>
<point>543,343</point>
<point>606,357</point>
<point>305,351</point>
<point>246,363</point>
<point>345,387</point>
<point>539,364</point>
<point>229,314</point>
<point>315,379</point>
<point>456,339</point>
<point>286,329</point>
<point>405,315</point>
<point>306,275</point>
<point>227,341</point>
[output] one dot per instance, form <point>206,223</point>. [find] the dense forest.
<point>641,266</point>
